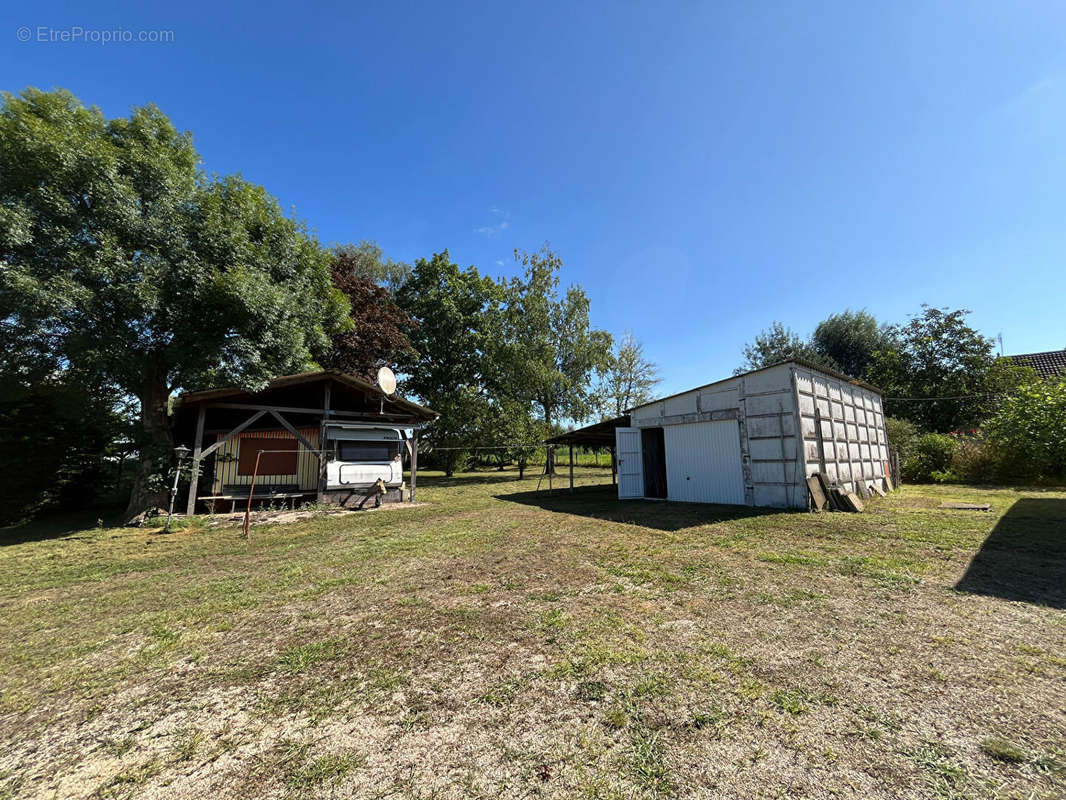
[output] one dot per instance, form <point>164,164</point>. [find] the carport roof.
<point>599,435</point>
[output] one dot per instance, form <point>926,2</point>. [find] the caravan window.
<point>365,451</point>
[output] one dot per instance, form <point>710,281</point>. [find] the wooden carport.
<point>600,434</point>
<point>208,419</point>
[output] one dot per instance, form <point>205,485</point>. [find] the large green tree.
<point>850,341</point>
<point>377,336</point>
<point>552,351</point>
<point>129,264</point>
<point>629,378</point>
<point>450,307</point>
<point>940,372</point>
<point>776,344</point>
<point>367,260</point>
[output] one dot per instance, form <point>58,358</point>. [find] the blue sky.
<point>702,168</point>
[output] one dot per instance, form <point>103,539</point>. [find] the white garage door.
<point>703,462</point>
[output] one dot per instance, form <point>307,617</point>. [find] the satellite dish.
<point>387,381</point>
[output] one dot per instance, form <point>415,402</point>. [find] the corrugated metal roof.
<point>798,361</point>
<point>598,434</point>
<point>309,377</point>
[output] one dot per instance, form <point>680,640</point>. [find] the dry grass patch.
<point>495,642</point>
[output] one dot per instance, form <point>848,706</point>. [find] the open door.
<point>630,463</point>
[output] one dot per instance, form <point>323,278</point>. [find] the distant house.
<point>1047,365</point>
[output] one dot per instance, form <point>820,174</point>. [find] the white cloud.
<point>497,228</point>
<point>492,230</point>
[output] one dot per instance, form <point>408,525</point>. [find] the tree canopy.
<point>450,340</point>
<point>629,378</point>
<point>121,259</point>
<point>377,336</point>
<point>850,341</point>
<point>939,371</point>
<point>367,260</point>
<point>549,349</point>
<point>775,344</point>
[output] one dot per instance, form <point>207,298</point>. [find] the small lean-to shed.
<point>753,439</point>
<point>325,436</point>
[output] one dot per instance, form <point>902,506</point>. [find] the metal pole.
<point>251,491</point>
<point>414,463</point>
<point>571,468</point>
<point>173,495</point>
<point>197,454</point>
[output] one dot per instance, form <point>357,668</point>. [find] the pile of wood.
<point>827,494</point>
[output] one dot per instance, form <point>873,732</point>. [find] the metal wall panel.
<point>703,462</point>
<point>791,421</point>
<point>845,431</point>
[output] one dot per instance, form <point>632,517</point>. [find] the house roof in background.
<point>1046,364</point>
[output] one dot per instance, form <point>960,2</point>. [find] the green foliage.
<point>902,435</point>
<point>547,350</point>
<point>56,436</point>
<point>367,260</point>
<point>942,366</point>
<point>850,341</point>
<point>1027,432</point>
<point>451,340</point>
<point>377,335</point>
<point>121,260</point>
<point>975,460</point>
<point>929,458</point>
<point>776,344</point>
<point>629,378</point>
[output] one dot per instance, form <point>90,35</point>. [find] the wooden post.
<point>194,472</point>
<point>322,443</point>
<point>414,462</point>
<point>614,467</point>
<point>571,468</point>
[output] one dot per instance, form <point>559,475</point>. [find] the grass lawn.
<point>496,643</point>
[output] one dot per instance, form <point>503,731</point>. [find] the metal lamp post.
<point>180,451</point>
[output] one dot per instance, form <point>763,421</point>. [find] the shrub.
<point>974,460</point>
<point>902,434</point>
<point>929,458</point>
<point>1027,432</point>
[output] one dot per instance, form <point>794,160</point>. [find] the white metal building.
<point>754,438</point>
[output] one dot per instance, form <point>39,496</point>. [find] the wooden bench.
<point>278,491</point>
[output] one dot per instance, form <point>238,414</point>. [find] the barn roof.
<point>317,376</point>
<point>798,361</point>
<point>1047,364</point>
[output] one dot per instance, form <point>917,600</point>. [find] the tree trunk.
<point>149,490</point>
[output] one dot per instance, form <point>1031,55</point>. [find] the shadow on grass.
<point>601,502</point>
<point>56,526</point>
<point>1024,557</point>
<point>509,475</point>
<point>469,479</point>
